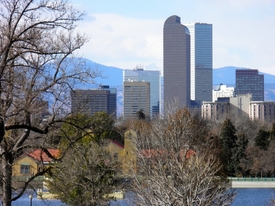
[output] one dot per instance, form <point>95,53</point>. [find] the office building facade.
<point>151,76</point>
<point>263,111</point>
<point>112,99</point>
<point>136,98</point>
<point>201,66</point>
<point>176,62</point>
<point>227,107</point>
<point>249,81</point>
<point>218,110</point>
<point>102,99</point>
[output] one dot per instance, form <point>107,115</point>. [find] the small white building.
<point>222,91</point>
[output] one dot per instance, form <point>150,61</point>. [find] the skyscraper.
<point>112,98</point>
<point>176,62</point>
<point>249,81</point>
<point>136,98</point>
<point>200,61</point>
<point>91,101</point>
<point>151,76</point>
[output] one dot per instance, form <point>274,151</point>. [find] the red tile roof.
<point>117,143</point>
<point>41,156</point>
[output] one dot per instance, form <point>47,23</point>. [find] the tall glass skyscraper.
<point>151,76</point>
<point>201,61</point>
<point>176,62</point>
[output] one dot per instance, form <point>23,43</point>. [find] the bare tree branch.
<point>37,71</point>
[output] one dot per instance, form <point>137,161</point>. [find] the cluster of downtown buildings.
<point>187,80</point>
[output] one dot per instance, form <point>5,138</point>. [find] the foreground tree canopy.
<point>177,163</point>
<point>36,39</point>
<point>87,172</point>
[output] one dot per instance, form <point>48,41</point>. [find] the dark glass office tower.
<point>249,81</point>
<point>176,62</point>
<point>102,99</point>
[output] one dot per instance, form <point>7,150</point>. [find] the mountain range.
<point>113,77</point>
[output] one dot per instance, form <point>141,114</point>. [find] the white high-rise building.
<point>200,61</point>
<point>151,76</point>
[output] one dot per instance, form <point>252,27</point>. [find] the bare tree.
<point>37,38</point>
<point>178,164</point>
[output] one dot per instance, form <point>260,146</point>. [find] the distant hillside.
<point>226,75</point>
<point>109,75</point>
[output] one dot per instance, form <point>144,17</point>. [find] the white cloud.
<point>243,35</point>
<point>123,42</point>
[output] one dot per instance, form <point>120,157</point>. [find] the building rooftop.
<point>41,156</point>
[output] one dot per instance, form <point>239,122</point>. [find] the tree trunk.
<point>7,176</point>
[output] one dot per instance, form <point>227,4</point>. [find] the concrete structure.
<point>239,106</point>
<point>151,76</point>
<point>222,91</point>
<point>250,182</point>
<point>136,98</point>
<point>91,101</point>
<point>264,111</point>
<point>176,62</point>
<point>227,108</point>
<point>201,67</point>
<point>215,110</point>
<point>250,81</point>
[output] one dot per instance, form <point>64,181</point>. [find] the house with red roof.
<point>30,163</point>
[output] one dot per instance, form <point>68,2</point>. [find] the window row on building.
<point>240,106</point>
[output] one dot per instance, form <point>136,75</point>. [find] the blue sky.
<point>127,33</point>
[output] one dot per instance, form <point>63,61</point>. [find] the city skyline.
<point>129,33</point>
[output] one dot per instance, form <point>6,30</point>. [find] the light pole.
<point>30,200</point>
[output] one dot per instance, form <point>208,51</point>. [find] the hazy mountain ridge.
<point>113,77</point>
<point>226,75</point>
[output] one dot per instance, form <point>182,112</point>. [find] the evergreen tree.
<point>228,146</point>
<point>239,152</point>
<point>140,114</point>
<point>262,139</point>
<point>102,126</point>
<point>272,132</point>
